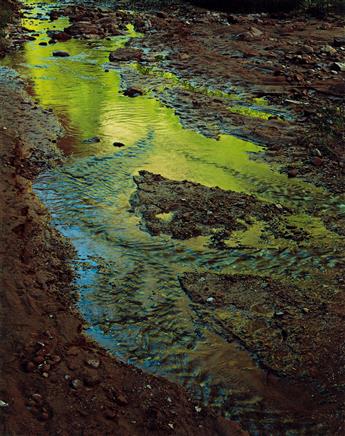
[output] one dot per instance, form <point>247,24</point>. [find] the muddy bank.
<point>223,62</point>
<point>55,380</point>
<point>186,210</point>
<point>12,34</point>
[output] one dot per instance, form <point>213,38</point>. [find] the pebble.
<point>292,172</point>
<point>44,416</point>
<point>92,140</point>
<point>317,161</point>
<point>133,92</point>
<point>37,398</point>
<point>94,363</point>
<point>39,359</point>
<point>76,383</point>
<point>60,54</point>
<point>91,380</point>
<point>3,404</point>
<point>210,300</point>
<point>30,366</point>
<point>121,400</point>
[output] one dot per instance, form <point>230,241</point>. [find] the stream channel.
<point>130,295</point>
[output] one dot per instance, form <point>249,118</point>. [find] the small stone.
<point>44,416</point>
<point>305,310</point>
<point>292,172</point>
<point>317,161</point>
<point>171,425</point>
<point>94,363</point>
<point>339,42</point>
<point>210,300</point>
<point>3,404</point>
<point>110,414</point>
<point>37,398</point>
<point>118,144</point>
<point>76,383</point>
<point>125,54</point>
<point>198,409</point>
<point>45,375</point>
<point>91,379</point>
<point>121,400</point>
<point>60,54</point>
<point>45,367</point>
<point>133,92</point>
<point>338,66</point>
<point>92,140</point>
<point>328,49</point>
<point>279,313</point>
<point>55,359</point>
<point>30,367</point>
<point>39,359</point>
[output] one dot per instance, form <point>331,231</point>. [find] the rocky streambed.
<point>196,259</point>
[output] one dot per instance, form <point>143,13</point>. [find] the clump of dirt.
<point>292,329</point>
<point>54,380</point>
<point>185,210</point>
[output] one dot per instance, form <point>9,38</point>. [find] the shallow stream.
<point>129,290</point>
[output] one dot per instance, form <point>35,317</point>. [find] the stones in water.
<point>133,92</point>
<point>92,140</point>
<point>60,54</point>
<point>125,54</point>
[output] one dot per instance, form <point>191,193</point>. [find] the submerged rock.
<point>199,210</point>
<point>92,140</point>
<point>60,53</point>
<point>133,92</point>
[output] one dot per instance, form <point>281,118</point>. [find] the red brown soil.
<point>54,380</point>
<point>290,60</point>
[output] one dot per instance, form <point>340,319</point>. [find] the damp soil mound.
<point>184,209</point>
<point>292,329</point>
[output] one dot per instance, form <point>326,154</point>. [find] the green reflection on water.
<point>88,100</point>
